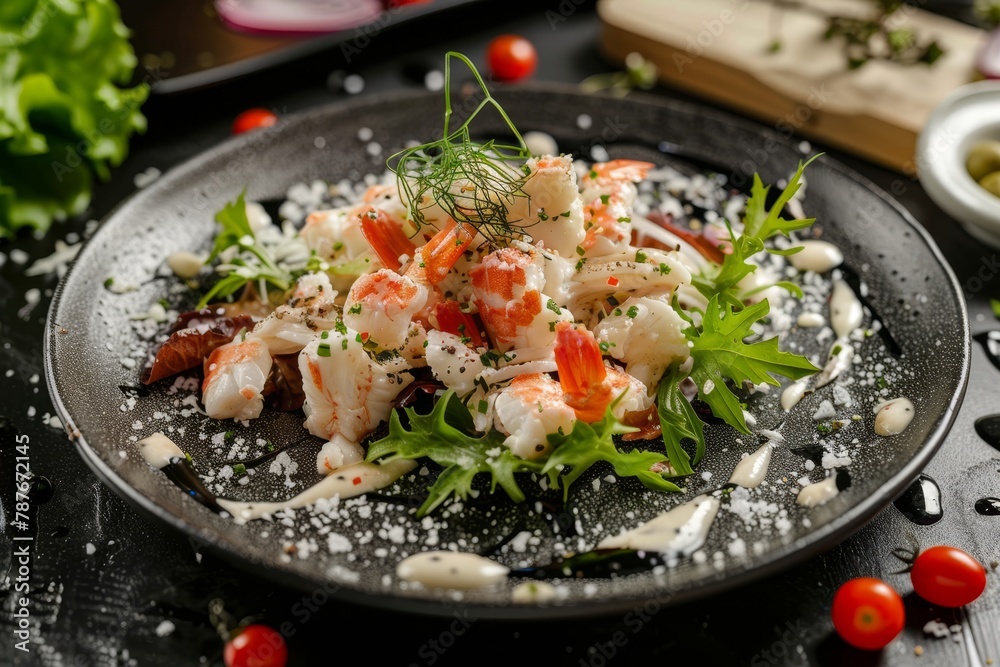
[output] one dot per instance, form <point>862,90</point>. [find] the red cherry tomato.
<point>867,613</point>
<point>511,57</point>
<point>252,119</point>
<point>947,576</point>
<point>256,646</point>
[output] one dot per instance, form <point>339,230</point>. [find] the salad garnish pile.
<point>547,325</point>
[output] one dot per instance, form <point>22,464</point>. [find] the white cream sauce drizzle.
<point>846,313</point>
<point>752,470</point>
<point>837,365</point>
<point>892,417</point>
<point>818,256</point>
<point>810,320</point>
<point>158,449</point>
<point>818,493</point>
<point>354,480</point>
<point>451,569</point>
<point>678,531</point>
<point>793,393</point>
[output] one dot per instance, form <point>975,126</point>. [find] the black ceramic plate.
<point>908,286</point>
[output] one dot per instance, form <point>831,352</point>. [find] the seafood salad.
<point>490,312</point>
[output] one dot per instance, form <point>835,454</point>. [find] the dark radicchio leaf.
<point>283,390</point>
<point>200,332</point>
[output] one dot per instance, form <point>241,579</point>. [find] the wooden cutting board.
<point>719,49</point>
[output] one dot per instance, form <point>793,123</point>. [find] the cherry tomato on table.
<point>947,576</point>
<point>510,58</point>
<point>867,613</point>
<point>252,119</point>
<point>256,646</point>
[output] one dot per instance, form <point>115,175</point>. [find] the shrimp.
<point>335,234</point>
<point>589,385</point>
<point>309,309</point>
<point>529,409</point>
<point>615,178</point>
<point>454,363</point>
<point>551,213</point>
<point>235,375</point>
<point>534,405</point>
<point>386,238</point>
<point>606,221</point>
<point>610,189</point>
<point>507,290</point>
<point>394,310</point>
<point>347,392</point>
<point>382,306</point>
<point>647,334</point>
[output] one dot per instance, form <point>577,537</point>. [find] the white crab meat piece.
<point>347,392</point>
<point>338,453</point>
<point>383,305</point>
<point>310,309</point>
<point>507,291</point>
<point>235,375</point>
<point>647,334</point>
<point>453,362</point>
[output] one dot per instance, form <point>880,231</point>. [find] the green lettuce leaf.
<point>64,115</point>
<point>720,354</point>
<point>678,422</point>
<point>589,443</point>
<point>447,437</point>
<point>759,225</point>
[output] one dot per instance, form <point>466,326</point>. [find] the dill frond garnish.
<point>474,183</point>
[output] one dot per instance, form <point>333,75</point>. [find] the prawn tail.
<point>444,249</point>
<point>386,238</point>
<point>448,317</point>
<point>582,373</point>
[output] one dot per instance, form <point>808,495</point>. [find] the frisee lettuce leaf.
<point>64,116</point>
<point>720,354</point>
<point>759,225</point>
<point>678,422</point>
<point>589,443</point>
<point>447,437</point>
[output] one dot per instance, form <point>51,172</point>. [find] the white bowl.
<point>969,115</point>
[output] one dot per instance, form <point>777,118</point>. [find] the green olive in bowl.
<point>991,183</point>
<point>983,159</point>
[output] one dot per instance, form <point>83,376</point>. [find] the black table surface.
<point>104,579</point>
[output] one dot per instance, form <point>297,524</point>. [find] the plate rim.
<point>783,557</point>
